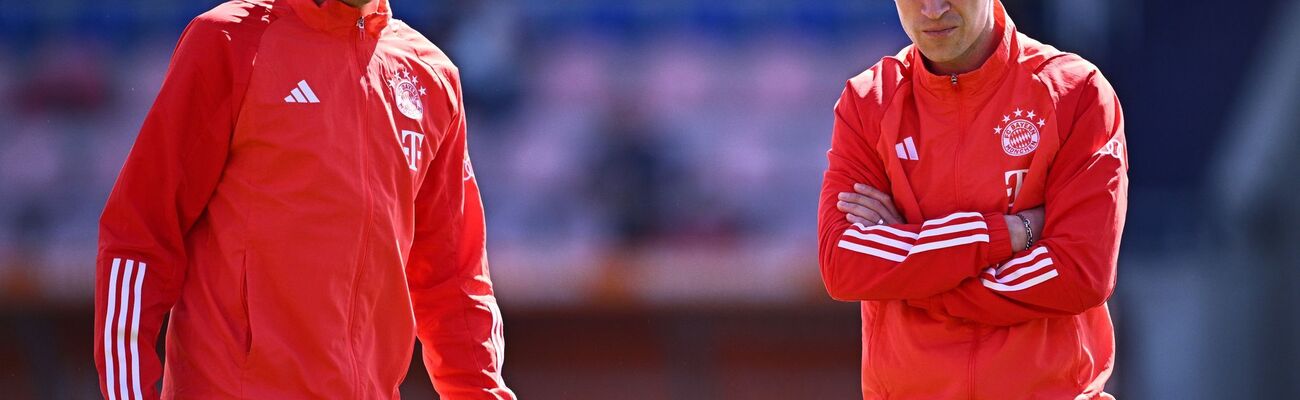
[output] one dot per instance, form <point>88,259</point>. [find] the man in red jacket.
<point>300,200</point>
<point>974,204</point>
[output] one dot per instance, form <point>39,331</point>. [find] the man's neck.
<point>321,2</point>
<point>981,50</point>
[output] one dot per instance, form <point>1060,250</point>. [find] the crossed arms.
<point>974,265</point>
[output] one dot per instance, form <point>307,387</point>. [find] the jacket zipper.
<point>369,207</point>
<point>961,142</point>
<point>961,137</point>
<point>361,37</point>
<point>974,350</point>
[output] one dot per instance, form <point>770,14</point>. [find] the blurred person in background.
<point>302,218</point>
<point>631,181</point>
<point>974,203</point>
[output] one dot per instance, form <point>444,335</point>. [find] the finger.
<point>880,196</point>
<point>885,200</point>
<point>860,211</point>
<point>874,193</point>
<point>863,200</point>
<point>885,210</point>
<point>856,220</point>
<point>853,219</point>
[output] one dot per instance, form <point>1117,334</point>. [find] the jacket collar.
<point>986,75</point>
<point>333,16</point>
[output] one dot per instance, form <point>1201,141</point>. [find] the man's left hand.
<point>868,206</point>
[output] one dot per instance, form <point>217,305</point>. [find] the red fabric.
<point>948,309</point>
<point>297,234</point>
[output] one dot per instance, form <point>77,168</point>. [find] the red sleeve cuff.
<point>999,249</point>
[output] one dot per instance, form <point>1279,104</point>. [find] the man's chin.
<point>937,56</point>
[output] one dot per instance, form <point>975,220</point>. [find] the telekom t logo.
<point>411,143</point>
<point>1014,179</point>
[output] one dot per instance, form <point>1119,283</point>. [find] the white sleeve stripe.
<point>135,333</point>
<point>123,304</point>
<point>109,362</point>
<point>942,244</point>
<point>1021,286</point>
<point>879,239</point>
<point>119,332</point>
<point>974,227</point>
<point>1023,259</point>
<point>499,333</point>
<point>951,217</point>
<point>969,226</point>
<point>871,251</point>
<point>885,228</point>
<point>1024,271</point>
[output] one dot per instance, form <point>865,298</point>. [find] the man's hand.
<point>867,206</point>
<point>1016,227</point>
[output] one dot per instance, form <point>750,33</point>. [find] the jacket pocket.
<point>871,360</point>
<point>1083,363</point>
<point>243,300</point>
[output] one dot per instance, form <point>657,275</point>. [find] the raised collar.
<point>333,16</point>
<point>987,74</point>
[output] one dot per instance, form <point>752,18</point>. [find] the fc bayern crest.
<point>1020,134</point>
<point>407,91</point>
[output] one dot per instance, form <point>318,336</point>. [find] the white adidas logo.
<point>907,149</point>
<point>301,94</point>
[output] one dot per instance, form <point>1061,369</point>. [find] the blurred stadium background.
<point>651,170</point>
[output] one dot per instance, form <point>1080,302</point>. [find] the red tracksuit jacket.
<point>948,309</point>
<point>300,199</point>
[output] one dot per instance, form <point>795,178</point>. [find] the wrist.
<point>1016,231</point>
<point>1000,246</point>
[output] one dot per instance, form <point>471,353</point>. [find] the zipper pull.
<point>361,24</point>
<point>954,79</point>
